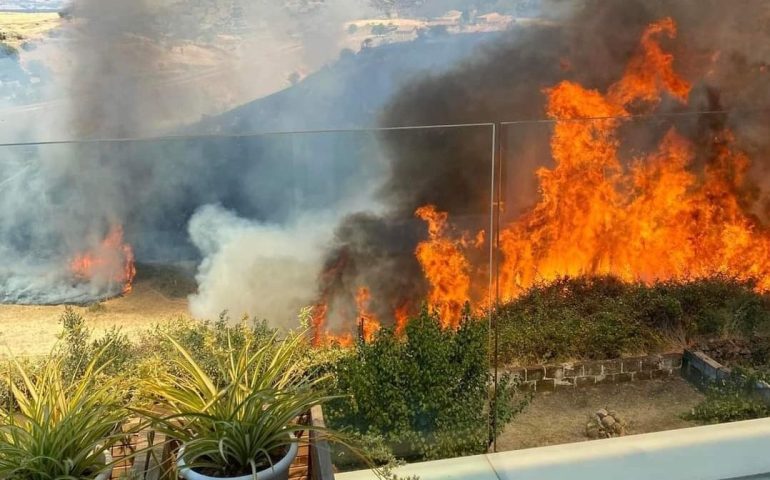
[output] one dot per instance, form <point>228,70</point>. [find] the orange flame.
<point>657,219</point>
<point>401,314</point>
<point>445,267</point>
<point>668,225</point>
<point>112,261</point>
<point>369,323</point>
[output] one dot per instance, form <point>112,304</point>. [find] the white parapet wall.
<point>714,452</point>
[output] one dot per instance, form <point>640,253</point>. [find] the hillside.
<point>350,92</point>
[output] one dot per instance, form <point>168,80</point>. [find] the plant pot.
<point>105,475</point>
<point>279,471</point>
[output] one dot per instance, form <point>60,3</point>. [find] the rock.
<point>602,413</point>
<point>608,421</point>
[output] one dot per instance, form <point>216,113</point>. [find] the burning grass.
<point>597,317</point>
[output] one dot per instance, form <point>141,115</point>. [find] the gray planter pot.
<point>280,470</point>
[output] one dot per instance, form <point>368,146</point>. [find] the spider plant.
<point>61,427</point>
<point>243,422</point>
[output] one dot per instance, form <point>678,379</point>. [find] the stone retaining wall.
<point>702,370</point>
<point>582,374</point>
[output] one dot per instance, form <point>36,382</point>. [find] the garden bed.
<point>560,416</point>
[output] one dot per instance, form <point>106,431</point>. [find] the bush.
<point>426,394</point>
<point>594,317</point>
<point>731,400</point>
<point>59,426</point>
<point>209,342</point>
<point>240,422</point>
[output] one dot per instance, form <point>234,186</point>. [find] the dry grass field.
<point>32,329</point>
<point>18,27</point>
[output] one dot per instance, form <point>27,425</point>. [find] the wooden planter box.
<point>157,460</point>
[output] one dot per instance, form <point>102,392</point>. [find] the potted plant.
<point>241,424</point>
<point>60,427</point>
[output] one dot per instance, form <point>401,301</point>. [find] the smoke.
<point>255,269</point>
<point>139,69</point>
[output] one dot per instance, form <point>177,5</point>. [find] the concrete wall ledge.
<point>713,452</point>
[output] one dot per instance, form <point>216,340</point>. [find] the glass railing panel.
<point>626,243</point>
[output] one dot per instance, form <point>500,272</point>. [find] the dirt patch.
<point>561,416</point>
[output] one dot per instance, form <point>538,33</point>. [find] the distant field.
<point>18,27</point>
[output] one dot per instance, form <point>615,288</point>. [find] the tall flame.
<point>657,219</point>
<point>445,267</point>
<point>110,263</point>
<point>368,321</point>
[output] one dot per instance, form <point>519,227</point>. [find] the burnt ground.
<point>561,416</point>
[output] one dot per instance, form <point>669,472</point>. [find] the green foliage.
<point>426,394</point>
<point>238,423</point>
<point>732,399</point>
<point>62,424</point>
<point>75,337</point>
<point>604,317</point>
<point>208,342</point>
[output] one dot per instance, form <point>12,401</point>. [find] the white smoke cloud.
<point>261,270</point>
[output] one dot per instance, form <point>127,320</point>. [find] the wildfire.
<point>655,221</point>
<point>110,263</point>
<point>401,315</point>
<point>368,322</point>
<point>658,218</point>
<point>445,267</point>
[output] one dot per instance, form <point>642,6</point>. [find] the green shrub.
<point>60,425</point>
<point>426,394</point>
<point>594,317</point>
<point>239,423</point>
<point>209,342</point>
<point>75,342</point>
<point>732,400</point>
